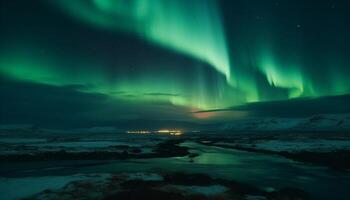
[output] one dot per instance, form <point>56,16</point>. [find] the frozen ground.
<point>329,122</point>
<point>42,141</point>
<point>18,188</point>
<point>79,143</point>
<point>133,186</point>
<point>294,145</point>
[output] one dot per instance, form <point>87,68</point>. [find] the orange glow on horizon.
<point>203,115</point>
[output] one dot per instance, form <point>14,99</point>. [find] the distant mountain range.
<point>329,122</point>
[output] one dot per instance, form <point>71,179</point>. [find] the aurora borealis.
<point>168,59</point>
<point>164,23</point>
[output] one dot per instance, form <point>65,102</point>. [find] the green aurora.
<point>162,22</point>
<point>227,58</point>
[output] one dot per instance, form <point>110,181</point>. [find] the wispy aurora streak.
<point>191,27</point>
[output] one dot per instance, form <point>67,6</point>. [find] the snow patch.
<point>211,190</point>
<point>318,122</point>
<point>145,176</point>
<point>17,188</point>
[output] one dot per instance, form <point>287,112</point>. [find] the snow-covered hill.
<point>330,122</point>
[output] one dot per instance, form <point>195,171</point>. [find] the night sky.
<point>96,62</point>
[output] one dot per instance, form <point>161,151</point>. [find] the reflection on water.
<point>265,171</point>
<point>216,159</point>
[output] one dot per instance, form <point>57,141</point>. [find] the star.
<point>258,17</point>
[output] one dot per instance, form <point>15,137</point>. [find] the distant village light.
<point>162,131</point>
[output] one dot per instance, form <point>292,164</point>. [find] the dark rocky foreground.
<point>169,148</point>
<point>176,186</point>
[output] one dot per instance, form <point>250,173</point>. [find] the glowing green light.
<point>282,76</point>
<point>190,27</point>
